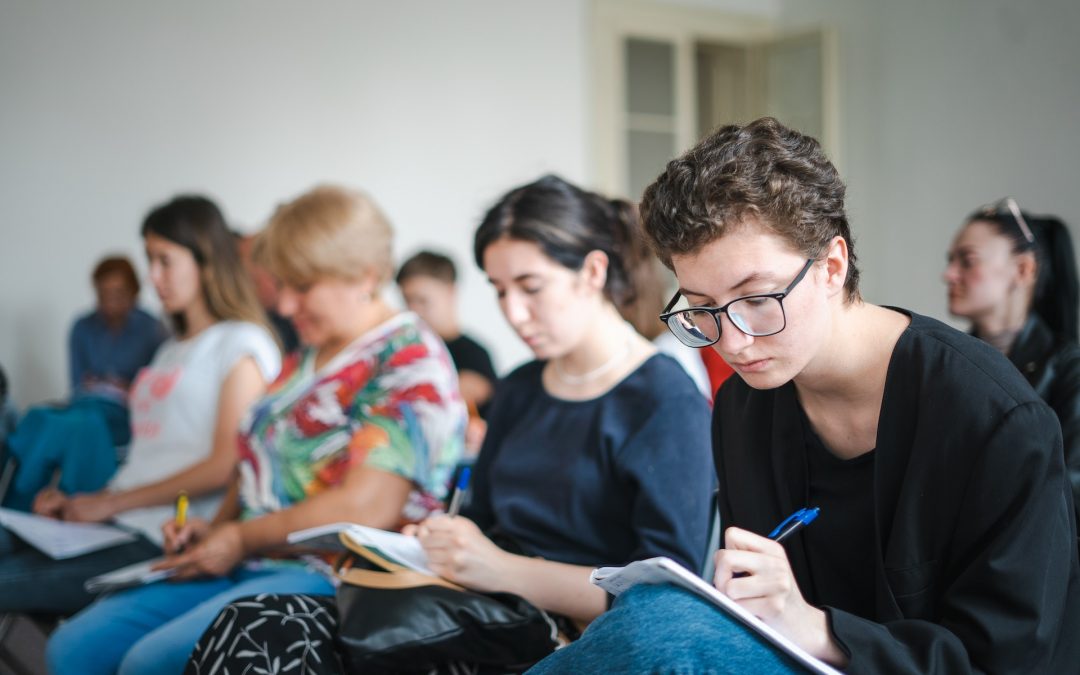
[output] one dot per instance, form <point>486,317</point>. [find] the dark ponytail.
<point>1057,292</point>
<point>568,223</point>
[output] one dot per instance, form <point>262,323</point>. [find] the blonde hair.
<point>328,231</point>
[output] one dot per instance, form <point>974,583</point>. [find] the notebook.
<point>398,548</point>
<point>615,580</point>
<point>126,577</point>
<point>59,539</point>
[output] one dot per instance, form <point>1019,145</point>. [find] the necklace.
<point>589,376</point>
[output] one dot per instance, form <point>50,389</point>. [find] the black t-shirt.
<point>606,481</point>
<point>469,355</point>
<point>839,543</point>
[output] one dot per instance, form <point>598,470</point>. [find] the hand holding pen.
<point>180,531</point>
<point>754,571</point>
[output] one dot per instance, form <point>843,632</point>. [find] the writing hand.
<point>49,503</point>
<point>458,551</point>
<point>176,538</point>
<point>754,571</point>
<point>217,554</point>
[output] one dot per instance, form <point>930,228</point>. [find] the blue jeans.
<point>665,629</point>
<point>31,581</point>
<point>153,629</point>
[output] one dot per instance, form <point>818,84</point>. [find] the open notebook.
<point>615,580</point>
<point>58,539</point>
<point>406,551</point>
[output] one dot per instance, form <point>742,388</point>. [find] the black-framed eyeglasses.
<point>758,315</point>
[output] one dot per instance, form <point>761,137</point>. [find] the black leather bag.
<point>395,619</point>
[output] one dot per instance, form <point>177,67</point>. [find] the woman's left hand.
<point>214,556</point>
<point>754,571</point>
<point>94,507</point>
<point>458,551</point>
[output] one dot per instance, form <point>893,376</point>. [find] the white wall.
<point>111,106</point>
<point>438,107</point>
<point>946,106</point>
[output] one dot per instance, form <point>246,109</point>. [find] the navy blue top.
<point>97,352</point>
<point>607,481</point>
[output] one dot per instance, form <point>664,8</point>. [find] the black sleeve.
<point>1000,607</point>
<point>1065,400</point>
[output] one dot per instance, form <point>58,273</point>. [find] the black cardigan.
<point>1051,363</point>
<point>975,539</point>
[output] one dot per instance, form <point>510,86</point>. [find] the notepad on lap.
<point>615,580</point>
<point>126,577</point>
<point>398,548</point>
<point>59,539</point>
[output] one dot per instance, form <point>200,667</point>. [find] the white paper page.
<point>615,580</point>
<point>59,539</point>
<point>125,577</point>
<point>400,548</point>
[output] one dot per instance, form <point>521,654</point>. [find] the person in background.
<point>364,425</point>
<point>186,407</point>
<point>946,537</point>
<point>654,282</point>
<point>266,291</point>
<point>595,450</point>
<point>108,346</point>
<point>428,283</point>
<point>1014,277</point>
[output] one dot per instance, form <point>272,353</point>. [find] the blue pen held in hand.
<point>459,492</point>
<point>794,523</point>
<point>788,527</point>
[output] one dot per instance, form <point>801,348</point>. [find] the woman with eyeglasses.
<point>596,452</point>
<point>1014,277</point>
<point>946,537</point>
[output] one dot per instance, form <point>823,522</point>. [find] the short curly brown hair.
<point>762,170</point>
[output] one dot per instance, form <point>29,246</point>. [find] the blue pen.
<point>459,492</point>
<point>794,523</point>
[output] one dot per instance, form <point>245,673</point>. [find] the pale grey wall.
<point>946,106</point>
<point>110,106</point>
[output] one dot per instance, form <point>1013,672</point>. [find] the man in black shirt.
<point>428,282</point>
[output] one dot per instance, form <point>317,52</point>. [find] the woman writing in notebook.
<point>186,406</point>
<point>363,425</point>
<point>946,537</point>
<point>594,451</point>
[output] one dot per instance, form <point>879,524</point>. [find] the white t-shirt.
<point>688,358</point>
<point>174,405</point>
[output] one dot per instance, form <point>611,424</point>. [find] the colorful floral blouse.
<point>388,401</point>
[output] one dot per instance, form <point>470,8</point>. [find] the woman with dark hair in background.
<point>1014,277</point>
<point>595,451</point>
<point>186,407</point>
